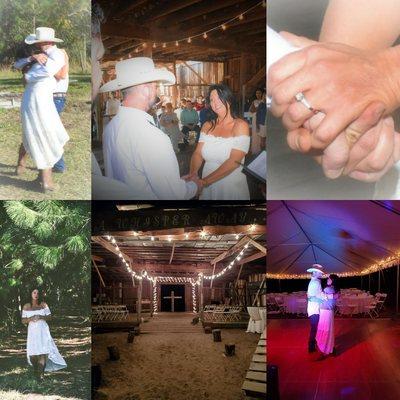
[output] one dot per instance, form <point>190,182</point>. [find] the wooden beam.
<point>260,74</point>
<point>241,243</point>
<point>253,257</point>
<point>258,246</point>
<point>97,258</point>
<point>172,253</point>
<point>125,6</point>
<point>169,7</point>
<point>98,272</point>
<point>126,30</point>
<point>198,75</point>
<point>108,246</point>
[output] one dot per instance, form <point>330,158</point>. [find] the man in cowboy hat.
<point>315,297</point>
<point>55,63</point>
<point>136,151</point>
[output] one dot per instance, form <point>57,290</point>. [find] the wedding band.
<point>302,99</point>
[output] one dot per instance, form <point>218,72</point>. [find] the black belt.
<point>60,94</point>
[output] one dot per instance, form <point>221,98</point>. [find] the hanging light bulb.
<point>205,35</point>
<point>113,241</point>
<point>144,45</point>
<point>164,45</point>
<point>236,236</point>
<point>169,239</point>
<point>154,45</point>
<point>202,234</point>
<point>152,238</point>
<point>223,27</point>
<point>135,233</point>
<point>176,43</point>
<point>189,40</point>
<point>187,236</point>
<point>241,16</point>
<point>117,248</point>
<point>137,50</point>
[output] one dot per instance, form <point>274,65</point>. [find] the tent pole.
<point>397,290</point>
<point>379,281</point>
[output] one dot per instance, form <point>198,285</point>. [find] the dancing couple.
<point>42,352</point>
<point>46,82</point>
<point>321,311</point>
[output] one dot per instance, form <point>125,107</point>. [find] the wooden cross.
<point>172,297</point>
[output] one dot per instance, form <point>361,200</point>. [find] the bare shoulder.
<point>43,304</point>
<point>26,307</point>
<point>241,128</point>
<point>206,126</point>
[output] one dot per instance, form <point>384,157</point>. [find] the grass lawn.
<point>73,339</point>
<point>75,183</point>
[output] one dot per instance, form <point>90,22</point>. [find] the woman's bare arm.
<point>366,24</point>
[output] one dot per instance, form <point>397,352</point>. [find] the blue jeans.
<point>60,104</point>
<point>314,319</point>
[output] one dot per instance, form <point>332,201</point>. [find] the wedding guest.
<point>223,144</point>
<point>136,152</point>
<point>261,117</point>
<point>178,111</point>
<point>169,123</point>
<point>255,139</point>
<point>189,121</point>
<point>199,105</point>
<point>205,114</point>
<point>112,106</point>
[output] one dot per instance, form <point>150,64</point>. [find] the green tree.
<point>69,18</point>
<point>45,245</point>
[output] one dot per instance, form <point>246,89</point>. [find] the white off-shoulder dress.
<point>40,341</point>
<point>215,151</point>
<point>44,135</point>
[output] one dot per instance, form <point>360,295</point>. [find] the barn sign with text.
<point>157,219</point>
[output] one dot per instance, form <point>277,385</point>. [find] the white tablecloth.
<point>360,303</point>
<point>257,326</point>
<point>295,304</point>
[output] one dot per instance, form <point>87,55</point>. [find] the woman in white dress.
<point>44,135</point>
<point>42,353</point>
<point>223,144</point>
<point>326,330</point>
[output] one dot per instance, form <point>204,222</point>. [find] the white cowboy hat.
<point>316,268</point>
<point>135,71</point>
<point>42,34</point>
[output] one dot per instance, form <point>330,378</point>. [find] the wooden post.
<point>139,300</point>
<point>216,335</point>
<point>211,283</point>
<point>201,305</point>
<point>175,89</point>
<point>152,299</point>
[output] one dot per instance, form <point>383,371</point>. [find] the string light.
<point>169,238</point>
<point>152,238</point>
<point>202,234</point>
<point>187,236</point>
<point>205,34</point>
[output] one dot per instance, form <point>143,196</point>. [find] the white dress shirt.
<point>139,154</point>
<point>56,60</point>
<point>314,290</point>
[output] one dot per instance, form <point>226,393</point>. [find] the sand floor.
<point>173,360</point>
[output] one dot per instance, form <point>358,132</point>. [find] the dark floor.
<point>367,365</point>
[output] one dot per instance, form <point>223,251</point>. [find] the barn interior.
<point>173,278</point>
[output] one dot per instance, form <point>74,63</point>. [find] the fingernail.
<point>333,173</point>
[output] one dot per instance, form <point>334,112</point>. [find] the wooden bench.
<point>255,384</point>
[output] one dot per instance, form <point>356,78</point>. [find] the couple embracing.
<point>321,311</point>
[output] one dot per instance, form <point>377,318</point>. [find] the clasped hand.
<point>352,132</point>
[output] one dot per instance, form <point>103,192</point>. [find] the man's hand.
<point>40,58</point>
<point>199,182</point>
<point>339,80</point>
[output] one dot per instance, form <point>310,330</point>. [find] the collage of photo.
<point>149,249</point>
